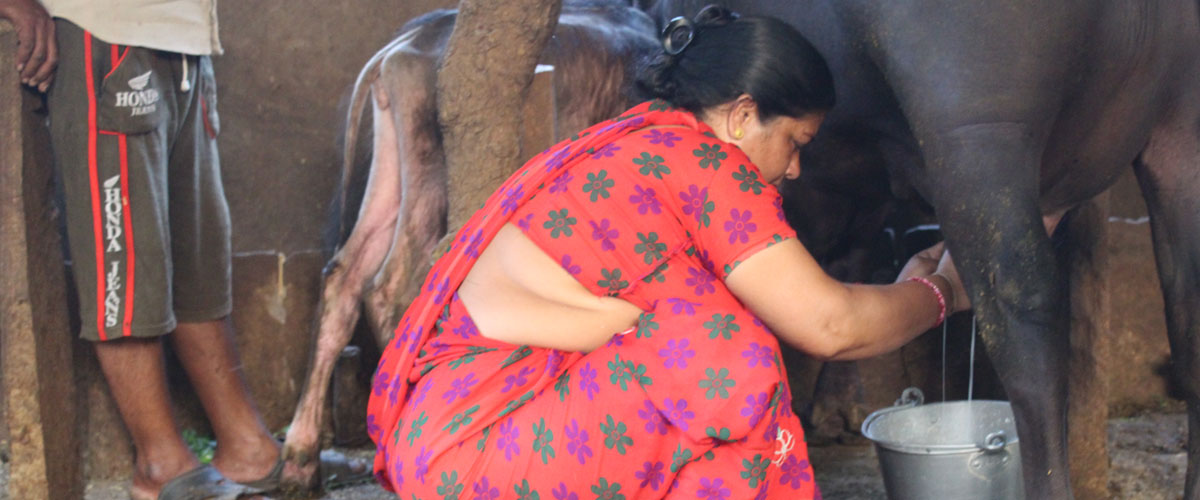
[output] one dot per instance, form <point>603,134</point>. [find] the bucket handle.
<point>911,396</point>
<point>995,441</point>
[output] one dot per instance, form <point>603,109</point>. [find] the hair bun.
<point>715,15</point>
<point>677,35</point>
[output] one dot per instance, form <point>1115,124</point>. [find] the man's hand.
<point>37,53</point>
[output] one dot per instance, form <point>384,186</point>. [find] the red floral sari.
<point>693,402</point>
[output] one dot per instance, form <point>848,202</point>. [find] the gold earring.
<point>738,133</point>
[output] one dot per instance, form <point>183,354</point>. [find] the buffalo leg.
<point>1017,290</point>
<point>422,217</point>
<point>341,290</point>
<point>1169,174</point>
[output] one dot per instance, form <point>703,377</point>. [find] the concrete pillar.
<point>35,338</point>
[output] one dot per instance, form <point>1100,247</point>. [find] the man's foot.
<point>149,478</point>
<point>249,464</point>
<point>203,483</point>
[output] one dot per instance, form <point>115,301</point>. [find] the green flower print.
<point>450,488</point>
<point>615,437</point>
<point>650,246</point>
<point>461,419</point>
<point>598,184</point>
<point>710,155</point>
<point>749,180</point>
<point>415,427</point>
<point>755,469</point>
<point>560,223</point>
<point>612,281</point>
<point>542,439</point>
<point>652,165</point>
<point>682,456</point>
<point>516,403</point>
<point>605,491</point>
<point>658,275</point>
<point>563,386</point>
<point>524,492</point>
<point>721,326</point>
<point>716,383</point>
<point>646,325</point>
<point>619,375</point>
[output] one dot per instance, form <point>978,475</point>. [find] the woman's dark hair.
<point>718,56</point>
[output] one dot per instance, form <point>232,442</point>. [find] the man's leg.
<point>136,375</point>
<point>245,449</point>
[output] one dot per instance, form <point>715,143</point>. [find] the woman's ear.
<point>742,115</point>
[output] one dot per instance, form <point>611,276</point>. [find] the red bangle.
<point>940,298</point>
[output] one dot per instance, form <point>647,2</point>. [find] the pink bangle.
<point>940,298</point>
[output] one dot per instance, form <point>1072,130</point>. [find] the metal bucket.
<point>958,450</point>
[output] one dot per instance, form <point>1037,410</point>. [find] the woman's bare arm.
<point>810,310</point>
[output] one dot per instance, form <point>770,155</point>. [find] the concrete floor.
<point>1146,452</point>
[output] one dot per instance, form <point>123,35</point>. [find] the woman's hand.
<point>935,262</point>
<point>923,264</point>
<point>947,270</point>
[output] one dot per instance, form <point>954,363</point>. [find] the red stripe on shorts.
<point>129,252</point>
<point>126,327</point>
<point>93,179</point>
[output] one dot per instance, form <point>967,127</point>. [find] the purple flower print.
<point>756,407</point>
<point>604,234</point>
<point>507,440</point>
<point>762,493</point>
<point>577,442</point>
<point>422,464</point>
<point>651,474</point>
<point>512,199</point>
<point>646,200</point>
<point>524,222</point>
<point>681,306</point>
<point>795,471</point>
<point>739,226</point>
<point>624,124</point>
<point>558,159</point>
<point>466,329</point>
<point>560,183</point>
<point>693,201</point>
<point>667,138</point>
<point>398,475</point>
<point>706,260</point>
<point>394,390</point>
<point>779,208</point>
<point>380,384</point>
<point>459,388</point>
<point>441,286</point>
<point>573,269</point>
<point>758,354</point>
<point>552,361</point>
<point>676,353</point>
<point>424,390</point>
<point>606,151</point>
<point>473,240</point>
<point>373,428</point>
<point>562,493</point>
<point>485,491</point>
<point>438,346</point>
<point>517,380</point>
<point>712,489</point>
<point>655,421</point>
<point>587,381</point>
<point>701,281</point>
<point>677,413</point>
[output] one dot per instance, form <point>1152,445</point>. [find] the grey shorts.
<point>134,137</point>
